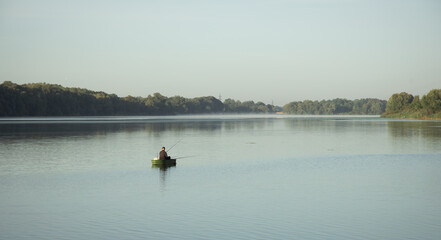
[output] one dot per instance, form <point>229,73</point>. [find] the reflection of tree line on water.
<point>323,124</point>
<point>43,130</point>
<point>63,129</point>
<point>395,128</point>
<point>79,129</point>
<point>426,129</point>
<point>207,125</point>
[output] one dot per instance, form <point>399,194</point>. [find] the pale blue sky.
<point>261,50</point>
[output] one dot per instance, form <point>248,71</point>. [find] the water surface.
<point>239,177</point>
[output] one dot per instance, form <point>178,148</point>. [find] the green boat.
<point>169,162</point>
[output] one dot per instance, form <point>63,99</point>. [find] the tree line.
<point>42,99</point>
<point>368,106</point>
<point>405,105</point>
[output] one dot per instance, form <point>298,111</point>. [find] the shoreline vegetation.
<point>406,106</point>
<point>338,106</point>
<point>43,99</point>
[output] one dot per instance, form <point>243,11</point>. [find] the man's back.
<point>162,155</point>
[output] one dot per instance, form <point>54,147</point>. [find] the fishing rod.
<point>173,145</point>
<point>184,157</point>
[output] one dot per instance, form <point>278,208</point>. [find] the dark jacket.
<point>163,155</point>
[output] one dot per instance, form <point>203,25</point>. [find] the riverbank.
<point>413,115</point>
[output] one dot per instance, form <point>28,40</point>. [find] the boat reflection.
<point>164,167</point>
<point>164,170</point>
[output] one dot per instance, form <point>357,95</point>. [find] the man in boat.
<point>163,154</point>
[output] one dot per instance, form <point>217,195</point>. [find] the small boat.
<point>157,161</point>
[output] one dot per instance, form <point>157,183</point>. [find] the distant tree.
<point>403,105</point>
<point>42,99</point>
<point>342,105</point>
<point>157,104</point>
<point>231,105</point>
<point>398,102</point>
<point>178,104</point>
<point>416,104</point>
<point>337,106</point>
<point>262,108</point>
<point>432,101</point>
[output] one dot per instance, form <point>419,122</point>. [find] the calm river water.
<point>238,177</point>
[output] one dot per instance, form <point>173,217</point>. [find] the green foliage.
<point>235,106</point>
<point>416,103</point>
<point>432,101</point>
<point>403,105</point>
<point>337,106</point>
<point>398,102</point>
<point>41,99</point>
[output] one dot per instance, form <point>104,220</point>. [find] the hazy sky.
<point>261,50</point>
